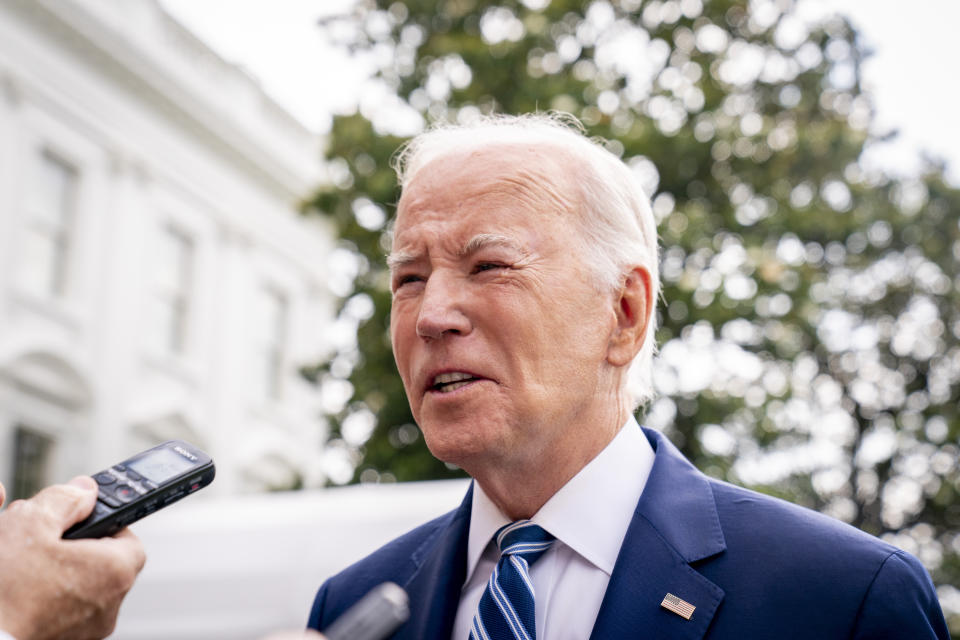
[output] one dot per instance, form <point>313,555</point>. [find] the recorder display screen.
<point>161,465</point>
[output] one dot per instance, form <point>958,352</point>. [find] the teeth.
<point>447,382</point>
<point>453,387</point>
<point>457,376</point>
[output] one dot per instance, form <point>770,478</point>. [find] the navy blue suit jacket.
<point>755,567</point>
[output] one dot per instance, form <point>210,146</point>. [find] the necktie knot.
<point>525,539</point>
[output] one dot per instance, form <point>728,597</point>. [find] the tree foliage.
<point>811,308</point>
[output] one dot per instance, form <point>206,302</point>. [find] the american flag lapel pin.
<point>680,607</point>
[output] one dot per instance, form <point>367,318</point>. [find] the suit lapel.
<point>434,587</point>
<point>674,525</point>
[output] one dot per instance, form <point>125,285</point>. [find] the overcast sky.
<point>912,74</point>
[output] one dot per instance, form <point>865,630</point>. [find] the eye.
<point>403,279</point>
<point>488,266</point>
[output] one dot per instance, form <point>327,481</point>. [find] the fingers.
<point>69,503</point>
<point>129,544</point>
<point>123,550</point>
<point>84,482</point>
<point>55,588</point>
<point>109,567</point>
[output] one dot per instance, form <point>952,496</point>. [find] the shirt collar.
<point>594,528</point>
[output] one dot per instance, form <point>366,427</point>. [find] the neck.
<point>519,490</point>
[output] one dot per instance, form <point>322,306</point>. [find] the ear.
<point>634,306</point>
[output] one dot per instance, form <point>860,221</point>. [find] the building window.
<point>49,218</point>
<point>31,459</point>
<point>170,302</point>
<point>269,338</point>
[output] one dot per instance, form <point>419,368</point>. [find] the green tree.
<point>809,332</point>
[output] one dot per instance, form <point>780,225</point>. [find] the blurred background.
<point>197,197</point>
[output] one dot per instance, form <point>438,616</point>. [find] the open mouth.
<point>447,382</point>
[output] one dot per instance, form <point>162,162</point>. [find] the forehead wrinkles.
<point>538,179</point>
<point>538,190</point>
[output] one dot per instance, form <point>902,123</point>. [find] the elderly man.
<point>524,279</point>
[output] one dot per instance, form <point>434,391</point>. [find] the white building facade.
<point>156,278</point>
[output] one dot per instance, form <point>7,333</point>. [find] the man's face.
<point>498,331</point>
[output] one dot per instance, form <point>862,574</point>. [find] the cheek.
<point>400,344</point>
<point>580,329</point>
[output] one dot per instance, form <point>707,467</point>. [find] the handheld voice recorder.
<point>142,484</point>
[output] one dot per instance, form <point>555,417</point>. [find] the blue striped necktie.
<point>506,609</point>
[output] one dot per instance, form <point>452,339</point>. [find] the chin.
<point>456,448</point>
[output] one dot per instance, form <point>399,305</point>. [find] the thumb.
<point>68,503</point>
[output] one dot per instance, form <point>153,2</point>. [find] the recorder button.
<point>104,478</point>
<point>125,493</point>
<point>133,475</point>
<point>108,499</point>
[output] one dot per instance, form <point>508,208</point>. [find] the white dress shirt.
<point>589,516</point>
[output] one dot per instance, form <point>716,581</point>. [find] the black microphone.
<point>374,617</point>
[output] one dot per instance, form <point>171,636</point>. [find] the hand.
<point>55,588</point>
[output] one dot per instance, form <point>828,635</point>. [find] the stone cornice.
<point>258,137</point>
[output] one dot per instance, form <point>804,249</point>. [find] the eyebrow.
<point>398,259</point>
<point>484,240</point>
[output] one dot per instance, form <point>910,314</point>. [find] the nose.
<point>441,311</point>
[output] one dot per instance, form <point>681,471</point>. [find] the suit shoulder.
<point>783,557</point>
<point>901,602</point>
<point>759,521</point>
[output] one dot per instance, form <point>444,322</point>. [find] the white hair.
<point>615,216</point>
